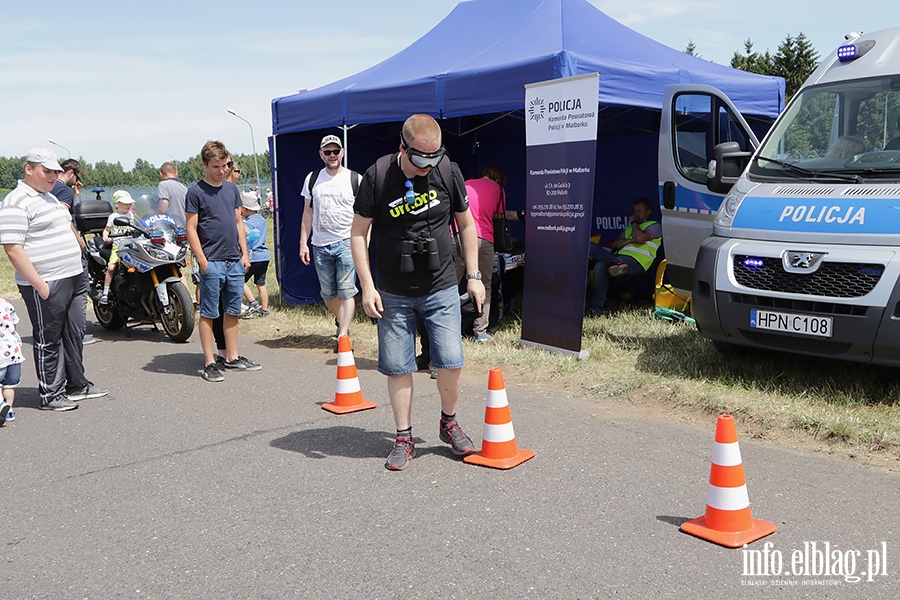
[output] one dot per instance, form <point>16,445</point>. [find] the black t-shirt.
<point>394,219</point>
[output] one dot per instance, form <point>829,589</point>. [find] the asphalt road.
<point>173,487</point>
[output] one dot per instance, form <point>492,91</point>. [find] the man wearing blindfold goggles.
<point>408,199</point>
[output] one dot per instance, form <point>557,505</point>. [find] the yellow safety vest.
<point>643,253</point>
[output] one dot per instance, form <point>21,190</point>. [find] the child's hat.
<point>123,197</point>
<point>250,200</point>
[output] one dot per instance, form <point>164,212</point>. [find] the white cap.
<point>123,197</point>
<point>331,139</point>
<point>44,157</point>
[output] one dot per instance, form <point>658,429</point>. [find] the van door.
<point>694,119</point>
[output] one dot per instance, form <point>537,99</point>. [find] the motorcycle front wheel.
<point>178,317</point>
<point>108,316</point>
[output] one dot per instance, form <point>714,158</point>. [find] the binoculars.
<point>420,245</point>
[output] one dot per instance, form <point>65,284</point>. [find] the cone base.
<point>697,527</point>
<point>342,410</point>
<point>499,463</point>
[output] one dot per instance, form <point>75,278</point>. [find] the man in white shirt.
<point>327,216</point>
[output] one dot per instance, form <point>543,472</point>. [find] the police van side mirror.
<point>727,164</point>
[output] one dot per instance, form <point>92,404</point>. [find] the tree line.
<point>795,60</point>
<point>106,174</point>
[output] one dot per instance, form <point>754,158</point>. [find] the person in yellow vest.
<point>629,256</point>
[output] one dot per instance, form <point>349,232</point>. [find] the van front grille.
<point>831,279</point>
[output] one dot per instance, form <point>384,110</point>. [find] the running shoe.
<point>212,373</point>
<point>242,363</point>
<point>4,411</point>
<point>452,434</point>
<point>86,393</point>
<point>403,451</point>
<point>58,405</point>
<point>10,416</point>
<point>617,270</point>
<point>104,299</point>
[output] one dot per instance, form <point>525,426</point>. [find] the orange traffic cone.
<point>348,395</point>
<point>498,441</point>
<point>727,521</point>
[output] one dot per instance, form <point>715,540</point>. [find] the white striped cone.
<point>498,439</point>
<point>348,393</point>
<point>727,521</point>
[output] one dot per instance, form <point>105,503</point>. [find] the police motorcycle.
<point>147,287</point>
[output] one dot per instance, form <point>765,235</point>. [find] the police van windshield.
<point>843,128</point>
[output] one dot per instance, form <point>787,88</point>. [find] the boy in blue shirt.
<point>216,234</point>
<point>255,227</point>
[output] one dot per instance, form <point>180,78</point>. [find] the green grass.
<point>638,361</point>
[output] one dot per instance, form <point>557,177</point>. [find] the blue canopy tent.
<point>470,71</point>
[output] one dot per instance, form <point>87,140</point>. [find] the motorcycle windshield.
<point>148,208</point>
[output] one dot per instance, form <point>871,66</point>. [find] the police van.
<point>804,252</point>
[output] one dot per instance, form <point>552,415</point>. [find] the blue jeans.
<point>603,258</point>
<point>397,331</point>
<point>334,266</point>
<point>222,279</point>
<point>11,375</point>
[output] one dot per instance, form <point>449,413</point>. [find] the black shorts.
<point>257,271</point>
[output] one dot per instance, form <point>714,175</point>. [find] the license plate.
<point>791,322</point>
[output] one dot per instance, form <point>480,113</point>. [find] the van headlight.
<point>728,210</point>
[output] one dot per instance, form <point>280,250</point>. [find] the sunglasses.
<point>229,164</point>
<point>238,171</point>
<point>423,160</point>
<point>331,152</point>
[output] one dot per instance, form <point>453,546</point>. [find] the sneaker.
<point>433,374</point>
<point>262,312</point>
<point>617,270</point>
<point>403,451</point>
<point>59,405</point>
<point>104,299</point>
<point>242,363</point>
<point>220,360</point>
<point>250,313</point>
<point>4,411</point>
<point>211,372</point>
<point>484,337</point>
<point>88,340</point>
<point>10,416</point>
<point>86,393</point>
<point>452,434</point>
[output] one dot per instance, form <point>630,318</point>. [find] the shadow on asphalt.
<point>178,363</point>
<point>676,521</point>
<point>352,442</point>
<point>316,342</point>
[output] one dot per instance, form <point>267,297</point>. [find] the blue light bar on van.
<point>849,52</point>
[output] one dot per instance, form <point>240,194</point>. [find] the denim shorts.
<point>397,331</point>
<point>10,375</point>
<point>334,266</point>
<point>225,279</point>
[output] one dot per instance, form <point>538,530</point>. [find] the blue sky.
<point>115,80</point>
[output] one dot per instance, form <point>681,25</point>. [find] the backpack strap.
<point>313,176</point>
<point>354,182</point>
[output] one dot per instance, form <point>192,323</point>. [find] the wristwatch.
<point>475,275</point>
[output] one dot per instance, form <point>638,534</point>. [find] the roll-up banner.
<point>561,149</point>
